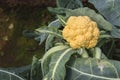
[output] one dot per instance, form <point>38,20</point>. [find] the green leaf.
<point>49,30</point>
<point>46,58</point>
<point>56,23</point>
<point>71,4</point>
<point>115,32</point>
<point>42,36</point>
<point>61,19</point>
<point>93,69</point>
<point>102,23</point>
<point>6,75</point>
<point>36,73</point>
<point>105,36</point>
<point>57,69</point>
<point>110,9</point>
<point>29,34</point>
<point>49,42</point>
<point>56,10</point>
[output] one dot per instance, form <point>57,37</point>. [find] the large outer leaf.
<point>36,73</point>
<point>115,32</point>
<point>93,69</point>
<point>57,65</point>
<point>102,23</point>
<point>71,4</point>
<point>46,58</point>
<point>110,9</point>
<point>6,75</point>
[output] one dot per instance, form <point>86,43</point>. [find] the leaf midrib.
<point>57,63</point>
<point>50,32</point>
<point>91,75</point>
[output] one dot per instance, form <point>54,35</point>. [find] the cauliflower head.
<point>81,32</point>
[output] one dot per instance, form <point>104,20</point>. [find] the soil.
<point>15,49</point>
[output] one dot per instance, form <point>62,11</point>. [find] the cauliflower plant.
<point>81,32</point>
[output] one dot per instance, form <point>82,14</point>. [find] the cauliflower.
<point>81,32</point>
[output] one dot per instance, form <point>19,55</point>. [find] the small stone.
<point>11,26</point>
<point>5,38</point>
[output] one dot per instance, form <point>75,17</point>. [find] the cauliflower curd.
<point>81,32</point>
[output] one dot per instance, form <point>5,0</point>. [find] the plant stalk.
<point>98,53</point>
<point>84,54</point>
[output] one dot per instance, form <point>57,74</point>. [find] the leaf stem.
<point>84,54</point>
<point>62,21</point>
<point>50,32</point>
<point>98,53</point>
<point>105,36</point>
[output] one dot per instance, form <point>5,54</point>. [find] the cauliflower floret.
<point>81,32</point>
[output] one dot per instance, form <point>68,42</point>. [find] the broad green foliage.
<point>92,69</point>
<point>50,38</point>
<point>61,62</point>
<point>46,58</point>
<point>48,35</point>
<point>110,9</point>
<point>57,69</point>
<point>93,15</point>
<point>115,32</point>
<point>13,73</point>
<point>55,24</point>
<point>49,42</point>
<point>57,10</point>
<point>49,30</point>
<point>71,4</point>
<point>86,12</point>
<point>36,73</point>
<point>6,75</point>
<point>44,33</point>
